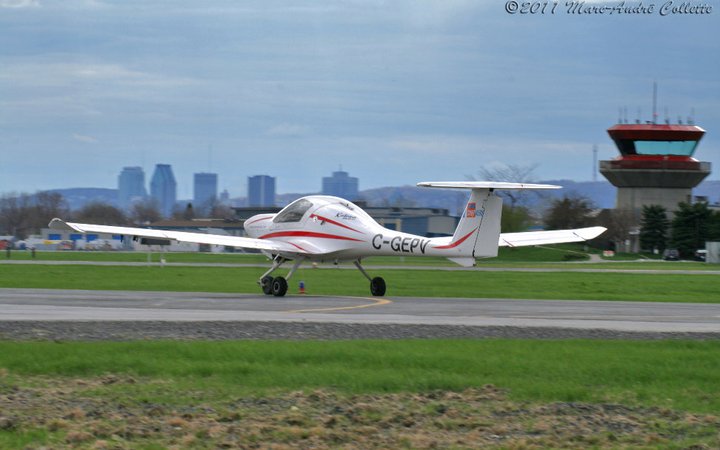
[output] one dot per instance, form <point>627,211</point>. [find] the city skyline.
<point>399,92</point>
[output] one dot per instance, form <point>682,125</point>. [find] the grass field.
<point>673,374</point>
<point>83,394</point>
<point>531,285</point>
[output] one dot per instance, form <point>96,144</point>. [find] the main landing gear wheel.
<point>377,287</point>
<point>279,286</point>
<point>266,285</point>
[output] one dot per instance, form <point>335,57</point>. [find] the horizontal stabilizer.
<point>549,237</point>
<point>485,185</point>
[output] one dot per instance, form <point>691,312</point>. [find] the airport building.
<point>131,186</point>
<point>204,191</point>
<point>656,165</point>
<point>340,184</point>
<point>261,190</point>
<point>163,188</point>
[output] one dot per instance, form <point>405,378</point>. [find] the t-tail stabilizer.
<point>478,232</point>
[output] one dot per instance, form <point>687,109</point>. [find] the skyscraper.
<point>340,184</point>
<point>261,190</point>
<point>131,186</point>
<point>205,191</point>
<point>163,188</point>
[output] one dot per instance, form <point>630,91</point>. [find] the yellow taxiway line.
<point>375,302</point>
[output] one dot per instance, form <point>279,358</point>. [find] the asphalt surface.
<point>52,305</point>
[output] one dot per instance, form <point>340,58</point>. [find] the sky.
<point>393,91</point>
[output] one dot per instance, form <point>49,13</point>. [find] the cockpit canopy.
<point>295,211</point>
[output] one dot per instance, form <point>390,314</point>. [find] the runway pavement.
<point>98,306</point>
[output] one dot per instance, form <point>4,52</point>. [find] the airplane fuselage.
<point>334,229</point>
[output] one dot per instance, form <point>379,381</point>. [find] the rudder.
<point>478,231</point>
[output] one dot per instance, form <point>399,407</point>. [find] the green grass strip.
<point>674,374</point>
<point>530,285</point>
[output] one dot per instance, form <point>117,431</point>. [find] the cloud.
<point>85,139</point>
<point>53,73</point>
<point>19,3</point>
<point>288,130</point>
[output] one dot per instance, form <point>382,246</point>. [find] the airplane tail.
<point>478,232</point>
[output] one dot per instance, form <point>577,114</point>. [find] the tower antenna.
<point>594,173</point>
<point>654,116</point>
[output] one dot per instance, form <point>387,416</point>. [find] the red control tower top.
<point>656,146</point>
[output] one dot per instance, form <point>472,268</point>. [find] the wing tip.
<point>59,224</point>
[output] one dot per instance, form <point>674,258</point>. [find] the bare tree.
<point>145,211</point>
<point>14,215</point>
<point>187,213</point>
<point>511,173</point>
<point>569,212</point>
<point>24,214</point>
<point>47,206</point>
<point>620,223</point>
<point>222,211</point>
<point>101,213</point>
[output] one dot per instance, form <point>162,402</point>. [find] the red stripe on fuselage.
<point>259,220</point>
<point>307,234</point>
<point>325,219</point>
<point>458,242</point>
<point>297,246</point>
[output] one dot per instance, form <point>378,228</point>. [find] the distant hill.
<point>709,189</point>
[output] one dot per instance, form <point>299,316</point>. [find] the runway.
<point>99,306</point>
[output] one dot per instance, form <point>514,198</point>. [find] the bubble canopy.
<point>656,140</point>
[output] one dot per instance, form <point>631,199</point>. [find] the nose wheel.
<point>266,285</point>
<point>277,286</point>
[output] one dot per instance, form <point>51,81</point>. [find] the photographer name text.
<point>579,7</point>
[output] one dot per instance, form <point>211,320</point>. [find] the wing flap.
<point>182,236</point>
<point>549,237</point>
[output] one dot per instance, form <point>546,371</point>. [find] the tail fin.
<point>478,231</point>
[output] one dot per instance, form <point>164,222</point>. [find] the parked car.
<point>671,254</point>
<point>701,255</point>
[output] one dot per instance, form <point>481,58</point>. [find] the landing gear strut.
<point>277,286</point>
<point>377,284</point>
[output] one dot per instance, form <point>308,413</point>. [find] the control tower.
<point>656,164</point>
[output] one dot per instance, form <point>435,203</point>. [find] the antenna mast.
<point>594,173</point>
<point>654,116</point>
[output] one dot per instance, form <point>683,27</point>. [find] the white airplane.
<point>321,228</point>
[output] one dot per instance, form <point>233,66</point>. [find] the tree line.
<point>24,214</point>
<point>693,224</point>
<point>690,226</point>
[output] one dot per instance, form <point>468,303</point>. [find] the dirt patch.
<point>77,413</point>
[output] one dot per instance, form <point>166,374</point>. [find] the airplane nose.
<point>254,225</point>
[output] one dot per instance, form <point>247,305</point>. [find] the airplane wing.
<point>183,236</point>
<point>549,237</point>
